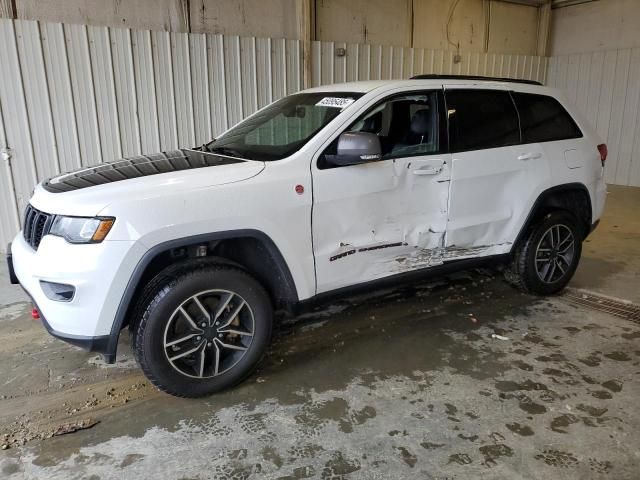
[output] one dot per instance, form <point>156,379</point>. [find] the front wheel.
<point>203,331</point>
<point>548,257</point>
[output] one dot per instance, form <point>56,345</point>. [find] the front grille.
<point>36,225</point>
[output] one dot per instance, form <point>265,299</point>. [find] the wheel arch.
<point>251,250</point>
<point>571,197</point>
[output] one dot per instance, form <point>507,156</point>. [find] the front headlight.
<point>81,230</point>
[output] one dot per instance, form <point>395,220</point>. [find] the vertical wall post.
<point>544,23</point>
<point>8,9</point>
<point>305,19</point>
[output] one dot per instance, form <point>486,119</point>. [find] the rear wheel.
<point>203,331</point>
<point>548,257</point>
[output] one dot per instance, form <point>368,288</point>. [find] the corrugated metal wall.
<point>375,62</point>
<point>606,87</point>
<point>75,95</point>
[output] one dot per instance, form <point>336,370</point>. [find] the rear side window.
<point>543,119</point>
<point>480,119</point>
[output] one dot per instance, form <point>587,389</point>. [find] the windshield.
<point>283,127</point>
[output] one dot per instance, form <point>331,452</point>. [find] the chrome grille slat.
<point>36,225</point>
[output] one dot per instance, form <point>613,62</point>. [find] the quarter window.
<point>543,119</point>
<point>480,119</point>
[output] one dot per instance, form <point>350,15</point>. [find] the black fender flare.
<point>109,352</point>
<point>543,198</point>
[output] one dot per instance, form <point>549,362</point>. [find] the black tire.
<point>162,302</point>
<point>522,272</point>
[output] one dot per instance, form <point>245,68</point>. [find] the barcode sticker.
<point>335,102</point>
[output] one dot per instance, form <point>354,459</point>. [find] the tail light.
<point>602,149</point>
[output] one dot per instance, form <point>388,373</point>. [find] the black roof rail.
<point>433,76</point>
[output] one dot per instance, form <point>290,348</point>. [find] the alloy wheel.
<point>554,253</point>
<point>209,333</point>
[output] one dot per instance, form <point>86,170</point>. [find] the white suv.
<point>331,188</point>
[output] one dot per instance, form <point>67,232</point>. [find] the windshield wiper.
<point>229,152</point>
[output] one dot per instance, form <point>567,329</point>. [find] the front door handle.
<point>427,171</point>
<point>529,156</point>
<point>431,167</point>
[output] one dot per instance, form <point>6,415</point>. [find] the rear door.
<point>494,178</point>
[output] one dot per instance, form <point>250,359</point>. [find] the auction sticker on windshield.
<point>335,102</point>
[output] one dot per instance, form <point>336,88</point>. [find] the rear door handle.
<point>529,156</point>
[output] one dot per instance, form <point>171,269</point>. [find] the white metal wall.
<point>375,62</point>
<point>606,87</point>
<point>76,95</point>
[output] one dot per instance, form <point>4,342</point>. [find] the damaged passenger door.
<point>494,179</point>
<point>383,215</point>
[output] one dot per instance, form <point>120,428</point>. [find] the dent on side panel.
<point>477,226</point>
<point>404,218</point>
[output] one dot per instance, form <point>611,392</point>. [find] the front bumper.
<point>12,273</point>
<point>98,344</point>
<point>99,272</point>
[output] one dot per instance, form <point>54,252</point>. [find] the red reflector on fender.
<point>35,314</point>
<point>604,151</point>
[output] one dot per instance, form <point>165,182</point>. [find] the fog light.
<point>58,292</point>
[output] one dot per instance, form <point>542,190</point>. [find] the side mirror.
<point>355,148</point>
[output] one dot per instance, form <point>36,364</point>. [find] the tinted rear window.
<point>543,119</point>
<point>480,119</point>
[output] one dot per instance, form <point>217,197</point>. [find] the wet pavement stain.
<point>591,410</point>
<point>619,356</point>
<point>592,360</point>
<point>560,424</point>
<point>532,407</point>
<point>460,459</point>
<point>602,394</point>
<point>557,458</point>
<point>522,430</point>
<point>431,445</point>
<point>631,336</point>
<point>407,457</point>
<point>613,385</point>
<point>494,452</point>
<point>600,466</point>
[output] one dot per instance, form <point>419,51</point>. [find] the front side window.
<point>480,119</point>
<point>407,125</point>
<point>543,119</point>
<point>283,127</point>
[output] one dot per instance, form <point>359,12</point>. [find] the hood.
<point>136,167</point>
<point>88,191</point>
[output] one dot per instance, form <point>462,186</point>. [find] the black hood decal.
<point>134,167</point>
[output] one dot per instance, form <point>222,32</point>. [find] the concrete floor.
<point>406,383</point>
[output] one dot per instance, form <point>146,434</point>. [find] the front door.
<point>389,216</point>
